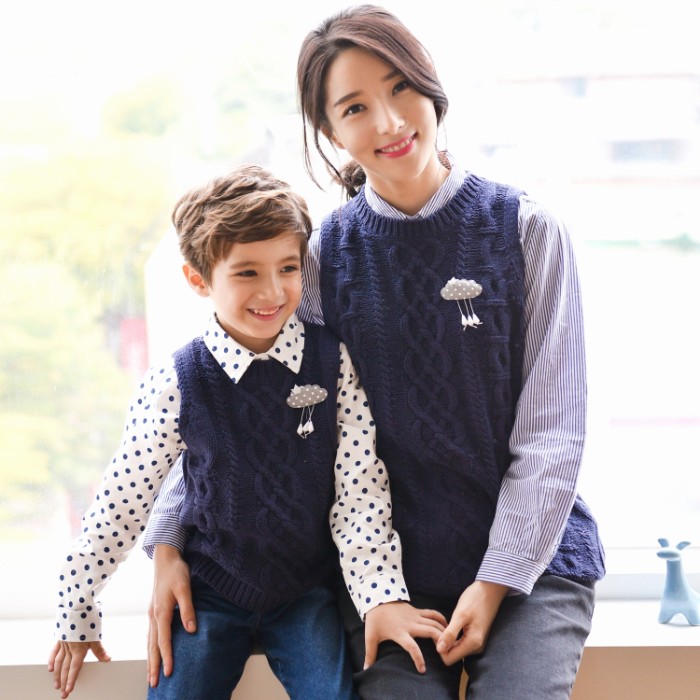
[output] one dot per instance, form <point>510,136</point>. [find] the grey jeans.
<point>533,651</point>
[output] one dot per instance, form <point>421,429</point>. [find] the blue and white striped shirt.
<point>547,440</point>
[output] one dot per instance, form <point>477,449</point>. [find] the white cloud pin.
<point>306,397</point>
<point>463,291</point>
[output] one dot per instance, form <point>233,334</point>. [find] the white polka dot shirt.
<point>360,517</point>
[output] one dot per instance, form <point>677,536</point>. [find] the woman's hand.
<point>472,619</point>
<point>171,587</point>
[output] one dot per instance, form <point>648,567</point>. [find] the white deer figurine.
<point>678,596</point>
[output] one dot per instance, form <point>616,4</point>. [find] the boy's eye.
<point>246,273</point>
<point>290,268</point>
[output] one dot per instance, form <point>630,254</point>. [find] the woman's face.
<point>386,125</point>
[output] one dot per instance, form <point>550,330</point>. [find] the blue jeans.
<point>532,653</point>
<point>302,640</point>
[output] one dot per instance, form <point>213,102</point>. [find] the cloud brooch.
<point>306,397</point>
<point>463,291</point>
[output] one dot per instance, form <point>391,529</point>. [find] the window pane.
<point>98,140</point>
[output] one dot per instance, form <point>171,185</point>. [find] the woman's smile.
<point>399,148</point>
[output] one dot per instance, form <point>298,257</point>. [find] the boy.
<point>260,408</point>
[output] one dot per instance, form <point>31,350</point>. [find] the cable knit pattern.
<point>257,494</point>
<point>443,398</point>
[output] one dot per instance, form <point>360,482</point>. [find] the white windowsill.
<point>627,607</point>
<point>616,624</point>
<point>633,623</point>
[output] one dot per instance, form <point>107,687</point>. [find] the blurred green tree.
<point>152,107</point>
<point>78,223</point>
<point>61,391</point>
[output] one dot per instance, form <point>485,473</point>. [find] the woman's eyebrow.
<point>346,98</point>
<point>352,95</point>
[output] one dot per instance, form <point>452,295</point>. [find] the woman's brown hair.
<point>374,29</point>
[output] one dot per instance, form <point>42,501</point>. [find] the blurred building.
<point>617,152</point>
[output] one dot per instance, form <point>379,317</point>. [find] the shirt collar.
<point>235,359</point>
<point>445,192</point>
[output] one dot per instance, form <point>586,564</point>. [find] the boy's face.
<point>255,289</point>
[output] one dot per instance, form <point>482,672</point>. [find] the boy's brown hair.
<point>247,205</point>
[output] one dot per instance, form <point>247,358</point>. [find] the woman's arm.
<point>539,488</point>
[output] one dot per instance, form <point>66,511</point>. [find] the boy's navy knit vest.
<point>443,398</point>
<point>257,494</point>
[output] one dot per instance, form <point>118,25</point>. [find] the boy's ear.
<point>195,280</point>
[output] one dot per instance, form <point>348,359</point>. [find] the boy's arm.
<point>361,524</point>
<point>360,518</point>
<point>119,511</point>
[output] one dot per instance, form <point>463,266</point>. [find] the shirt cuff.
<point>164,529</point>
<point>79,625</point>
<point>516,572</point>
<point>376,590</point>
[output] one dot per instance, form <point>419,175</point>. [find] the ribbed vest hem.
<point>235,590</point>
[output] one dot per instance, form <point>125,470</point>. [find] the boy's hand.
<point>401,622</point>
<point>472,618</point>
<point>66,660</point>
<point>171,587</point>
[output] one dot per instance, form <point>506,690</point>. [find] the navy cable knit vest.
<point>257,494</point>
<point>443,398</point>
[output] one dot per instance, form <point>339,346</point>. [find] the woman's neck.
<point>410,196</point>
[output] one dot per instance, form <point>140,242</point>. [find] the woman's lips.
<point>398,148</point>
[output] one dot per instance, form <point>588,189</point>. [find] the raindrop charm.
<point>306,428</point>
<point>463,291</point>
<point>306,397</point>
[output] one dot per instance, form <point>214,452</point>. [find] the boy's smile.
<point>255,289</point>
